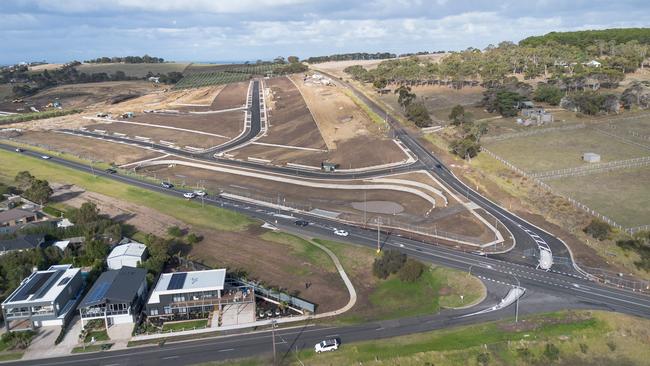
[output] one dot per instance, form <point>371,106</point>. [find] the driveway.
<point>42,345</point>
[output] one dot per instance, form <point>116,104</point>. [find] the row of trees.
<point>351,56</point>
<point>146,59</point>
<point>416,112</point>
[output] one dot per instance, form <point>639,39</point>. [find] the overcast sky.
<point>222,30</point>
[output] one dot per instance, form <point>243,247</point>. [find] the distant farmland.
<point>135,70</point>
<point>205,75</point>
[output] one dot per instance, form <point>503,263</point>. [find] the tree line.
<point>351,56</point>
<point>146,59</point>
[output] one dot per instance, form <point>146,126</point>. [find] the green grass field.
<point>190,324</point>
<point>622,195</point>
<point>562,149</point>
<point>210,217</point>
<point>99,335</point>
<point>583,338</point>
<point>137,70</point>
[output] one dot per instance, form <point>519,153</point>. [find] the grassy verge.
<point>190,212</point>
<point>369,112</point>
<point>11,356</point>
<point>23,117</point>
<point>92,348</point>
<point>392,298</point>
<point>301,248</point>
<point>187,325</point>
<point>97,165</point>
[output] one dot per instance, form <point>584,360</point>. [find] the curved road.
<point>546,291</point>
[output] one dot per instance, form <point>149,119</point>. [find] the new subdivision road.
<point>545,291</point>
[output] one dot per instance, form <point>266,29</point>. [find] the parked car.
<point>110,171</point>
<point>341,232</point>
<point>327,345</point>
<point>45,157</point>
<point>189,195</point>
<point>167,185</point>
<point>19,149</point>
<point>200,193</point>
<point>302,223</point>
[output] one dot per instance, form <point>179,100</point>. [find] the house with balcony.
<point>45,298</point>
<point>198,294</point>
<point>116,297</point>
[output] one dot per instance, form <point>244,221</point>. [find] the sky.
<point>240,30</point>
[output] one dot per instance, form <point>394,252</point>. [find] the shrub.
<point>390,262</point>
<point>193,238</point>
<point>598,229</point>
<point>411,271</point>
<point>18,340</point>
<point>611,345</point>
<point>175,231</point>
<point>584,348</point>
<point>551,352</point>
<point>483,358</point>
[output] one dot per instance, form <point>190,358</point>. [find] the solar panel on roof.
<point>32,286</point>
<point>99,292</point>
<point>177,281</point>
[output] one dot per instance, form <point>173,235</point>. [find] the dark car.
<point>110,171</point>
<point>167,185</point>
<point>302,223</point>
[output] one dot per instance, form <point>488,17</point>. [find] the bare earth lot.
<point>291,123</point>
<point>86,148</point>
<point>228,124</point>
<point>229,96</point>
<point>180,138</point>
<point>89,95</point>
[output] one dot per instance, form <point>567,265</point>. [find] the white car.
<point>189,195</point>
<point>327,345</point>
<point>341,232</point>
<point>200,193</point>
<point>45,157</point>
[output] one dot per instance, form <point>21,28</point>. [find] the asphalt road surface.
<point>545,291</point>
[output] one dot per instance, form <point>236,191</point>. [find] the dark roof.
<point>29,241</point>
<point>115,286</point>
<point>15,214</point>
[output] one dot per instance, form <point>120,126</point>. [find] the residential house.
<point>45,298</point>
<point>17,217</point>
<point>128,254</point>
<point>22,242</point>
<point>116,297</point>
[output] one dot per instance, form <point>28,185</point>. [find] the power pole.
<point>273,322</point>
<point>378,235</point>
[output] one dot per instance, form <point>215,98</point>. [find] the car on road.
<point>327,345</point>
<point>45,157</point>
<point>167,185</point>
<point>302,223</point>
<point>19,149</point>
<point>110,171</point>
<point>189,195</point>
<point>200,193</point>
<point>341,232</point>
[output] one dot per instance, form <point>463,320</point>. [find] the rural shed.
<point>128,255</point>
<point>591,157</point>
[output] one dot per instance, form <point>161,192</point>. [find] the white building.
<point>592,63</point>
<point>129,255</point>
<point>591,157</point>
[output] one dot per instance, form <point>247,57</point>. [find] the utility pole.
<point>378,235</point>
<point>273,323</point>
<point>517,301</point>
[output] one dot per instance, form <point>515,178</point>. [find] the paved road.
<point>527,236</point>
<point>546,291</point>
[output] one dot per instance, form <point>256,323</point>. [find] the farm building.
<point>535,116</point>
<point>591,157</point>
<point>45,298</point>
<point>129,254</point>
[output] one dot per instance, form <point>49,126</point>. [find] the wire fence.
<point>571,200</point>
<point>512,135</point>
<point>591,169</point>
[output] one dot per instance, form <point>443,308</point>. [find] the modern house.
<point>197,294</point>
<point>130,254</point>
<point>45,298</point>
<point>116,297</point>
<point>23,242</point>
<point>17,217</point>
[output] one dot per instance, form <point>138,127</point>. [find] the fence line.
<point>574,202</point>
<point>593,168</point>
<point>507,136</point>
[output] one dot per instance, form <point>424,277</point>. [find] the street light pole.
<point>273,323</point>
<point>517,301</point>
